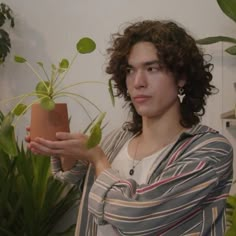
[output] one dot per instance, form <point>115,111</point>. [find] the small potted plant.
<point>48,89</point>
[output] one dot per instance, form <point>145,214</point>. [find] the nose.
<point>140,79</point>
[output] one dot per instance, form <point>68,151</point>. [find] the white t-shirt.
<point>123,163</point>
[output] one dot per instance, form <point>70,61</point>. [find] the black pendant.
<point>131,172</point>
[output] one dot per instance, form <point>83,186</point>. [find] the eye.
<point>129,70</point>
<point>152,68</point>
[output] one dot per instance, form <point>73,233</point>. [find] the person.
<point>162,172</point>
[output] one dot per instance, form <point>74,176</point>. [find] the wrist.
<point>100,163</point>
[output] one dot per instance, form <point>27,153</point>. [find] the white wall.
<point>48,30</point>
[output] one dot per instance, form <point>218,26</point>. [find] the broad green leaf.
<point>43,89</point>
<point>230,232</point>
<point>231,200</point>
<point>85,45</point>
<point>64,64</point>
<point>231,50</point>
<point>96,132</point>
<point>95,136</point>
<point>20,59</point>
<point>228,7</point>
<point>7,135</point>
<point>215,39</point>
<point>110,89</point>
<point>47,103</point>
<point>19,109</point>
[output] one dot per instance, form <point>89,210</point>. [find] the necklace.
<point>131,171</point>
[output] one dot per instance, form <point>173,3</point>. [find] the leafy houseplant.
<point>231,215</point>
<point>229,8</point>
<point>32,202</point>
<point>50,88</point>
<point>5,42</point>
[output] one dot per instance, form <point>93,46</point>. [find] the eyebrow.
<point>147,63</point>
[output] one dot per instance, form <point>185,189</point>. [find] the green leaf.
<point>43,88</point>
<point>110,89</point>
<point>231,200</point>
<point>19,109</point>
<point>96,132</point>
<point>85,45</point>
<point>228,7</point>
<point>231,50</point>
<point>47,103</point>
<point>7,135</point>
<point>40,63</point>
<point>64,64</point>
<point>53,67</point>
<point>20,59</point>
<point>215,39</point>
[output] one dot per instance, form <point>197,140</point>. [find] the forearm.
<point>112,197</point>
<point>100,163</point>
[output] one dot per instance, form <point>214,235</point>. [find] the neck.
<point>162,130</point>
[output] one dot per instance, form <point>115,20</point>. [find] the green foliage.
<point>49,88</point>
<point>7,134</point>
<point>229,9</point>
<point>31,201</point>
<point>5,42</point>
<point>231,215</point>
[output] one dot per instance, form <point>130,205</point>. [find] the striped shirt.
<point>185,193</point>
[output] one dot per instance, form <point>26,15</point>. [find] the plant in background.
<point>32,202</point>
<point>229,8</point>
<point>50,87</point>
<point>5,42</point>
<point>231,216</point>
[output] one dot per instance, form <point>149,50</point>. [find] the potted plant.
<point>32,202</point>
<point>49,88</point>
<point>5,42</point>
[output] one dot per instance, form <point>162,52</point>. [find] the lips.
<point>141,98</point>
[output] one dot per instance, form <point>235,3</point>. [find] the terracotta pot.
<point>45,123</point>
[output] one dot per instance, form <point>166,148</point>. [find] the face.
<point>153,90</point>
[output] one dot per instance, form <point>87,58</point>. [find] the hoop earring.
<point>181,94</point>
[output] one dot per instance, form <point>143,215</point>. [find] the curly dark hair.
<point>177,52</point>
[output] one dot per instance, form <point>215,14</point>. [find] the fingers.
<point>27,139</point>
<point>45,147</point>
<point>68,136</point>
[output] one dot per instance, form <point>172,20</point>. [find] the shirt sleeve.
<point>176,194</point>
<point>73,176</point>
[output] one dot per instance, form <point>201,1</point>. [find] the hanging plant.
<point>6,14</point>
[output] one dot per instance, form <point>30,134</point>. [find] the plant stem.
<point>63,77</point>
<point>76,95</point>
<point>26,109</point>
<point>83,82</point>
<point>36,73</point>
